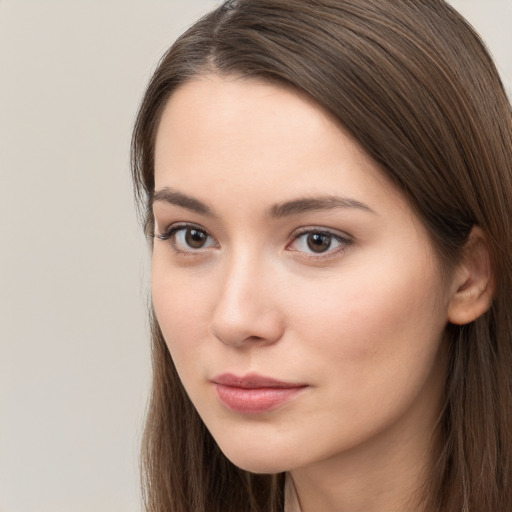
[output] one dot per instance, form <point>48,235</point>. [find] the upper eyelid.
<point>339,238</point>
<point>181,225</point>
<point>295,232</point>
<point>317,229</point>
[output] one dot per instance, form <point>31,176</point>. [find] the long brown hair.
<point>416,87</point>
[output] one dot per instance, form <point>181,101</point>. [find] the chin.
<point>256,460</point>
<point>258,466</point>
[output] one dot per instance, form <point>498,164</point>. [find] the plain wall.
<point>74,358</point>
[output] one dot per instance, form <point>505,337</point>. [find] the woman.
<point>327,187</point>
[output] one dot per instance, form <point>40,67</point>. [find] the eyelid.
<point>320,229</point>
<point>176,226</point>
<point>168,235</point>
<point>343,238</point>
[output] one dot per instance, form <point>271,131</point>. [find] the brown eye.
<point>319,242</point>
<point>195,238</point>
<point>188,238</point>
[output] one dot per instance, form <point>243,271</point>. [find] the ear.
<point>473,281</point>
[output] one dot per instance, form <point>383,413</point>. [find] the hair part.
<point>414,85</point>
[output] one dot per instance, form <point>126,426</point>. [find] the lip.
<point>254,394</point>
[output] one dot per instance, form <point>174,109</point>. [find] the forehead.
<point>228,129</point>
<point>246,124</point>
<point>231,112</point>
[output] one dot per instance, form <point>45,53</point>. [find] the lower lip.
<point>255,400</point>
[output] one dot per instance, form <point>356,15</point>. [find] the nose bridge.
<point>245,308</point>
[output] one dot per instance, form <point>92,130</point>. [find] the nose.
<point>247,309</point>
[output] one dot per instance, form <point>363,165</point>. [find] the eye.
<point>188,238</point>
<point>317,242</point>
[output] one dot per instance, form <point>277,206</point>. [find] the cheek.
<point>180,304</point>
<point>373,323</point>
<point>372,347</point>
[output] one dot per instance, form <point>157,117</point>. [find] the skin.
<point>360,324</point>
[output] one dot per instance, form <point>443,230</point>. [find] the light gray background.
<point>74,359</point>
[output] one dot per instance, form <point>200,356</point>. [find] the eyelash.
<point>345,241</point>
<point>170,235</point>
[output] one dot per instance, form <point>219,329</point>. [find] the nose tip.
<point>247,312</point>
<point>240,323</point>
<point>238,332</point>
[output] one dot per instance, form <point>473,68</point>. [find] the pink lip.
<point>253,394</point>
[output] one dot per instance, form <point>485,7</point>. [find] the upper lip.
<point>253,381</point>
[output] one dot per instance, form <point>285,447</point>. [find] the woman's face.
<point>300,297</point>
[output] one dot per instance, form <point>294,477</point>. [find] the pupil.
<point>195,238</point>
<point>318,242</point>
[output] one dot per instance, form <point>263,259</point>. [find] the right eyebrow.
<point>170,196</point>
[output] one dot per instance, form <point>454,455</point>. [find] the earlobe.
<point>474,281</point>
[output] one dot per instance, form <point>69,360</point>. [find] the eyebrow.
<point>179,199</point>
<point>308,204</point>
<point>276,211</point>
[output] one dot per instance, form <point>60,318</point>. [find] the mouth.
<point>254,394</point>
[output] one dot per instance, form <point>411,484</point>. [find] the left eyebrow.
<point>308,204</point>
